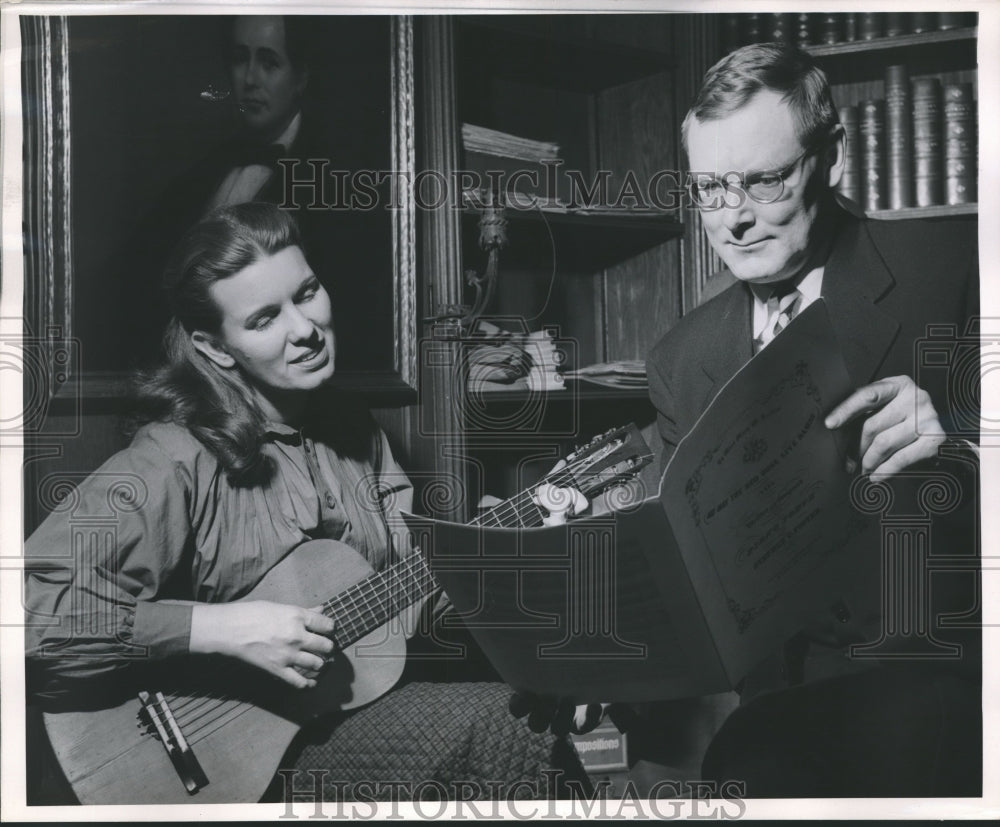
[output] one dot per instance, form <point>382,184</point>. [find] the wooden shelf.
<point>576,389</point>
<point>927,53</point>
<point>902,41</point>
<point>941,211</point>
<point>584,242</point>
<point>577,410</point>
<point>549,59</point>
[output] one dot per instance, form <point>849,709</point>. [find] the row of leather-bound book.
<point>915,148</point>
<point>815,28</point>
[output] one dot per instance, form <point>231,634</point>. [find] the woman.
<point>244,456</point>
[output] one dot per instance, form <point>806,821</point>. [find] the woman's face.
<point>277,327</point>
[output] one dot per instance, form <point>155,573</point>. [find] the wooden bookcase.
<point>856,71</point>
<point>604,88</point>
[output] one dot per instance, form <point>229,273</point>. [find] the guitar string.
<point>367,590</point>
<point>206,733</point>
<point>565,474</point>
<point>197,715</point>
<point>414,579</point>
<point>505,510</point>
<point>210,714</point>
<point>369,616</point>
<point>187,714</point>
<point>410,581</point>
<point>410,584</point>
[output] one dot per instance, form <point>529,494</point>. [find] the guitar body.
<point>220,728</point>
<point>111,757</point>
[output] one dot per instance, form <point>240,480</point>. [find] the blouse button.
<point>330,500</point>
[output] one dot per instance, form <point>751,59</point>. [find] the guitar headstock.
<point>608,459</point>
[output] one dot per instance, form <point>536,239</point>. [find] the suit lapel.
<point>855,278</point>
<point>730,346</point>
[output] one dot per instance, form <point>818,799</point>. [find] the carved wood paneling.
<point>438,441</point>
<point>696,44</point>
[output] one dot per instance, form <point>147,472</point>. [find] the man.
<point>269,73</point>
<point>766,152</point>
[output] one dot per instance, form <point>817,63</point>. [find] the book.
<point>804,29</point>
<point>960,144</point>
<point>899,140</point>
<point>625,373</point>
<point>780,27</point>
<point>830,28</point>
<point>895,24</point>
<point>954,20</point>
<point>922,21</point>
<point>927,145</point>
<point>850,26</point>
<point>870,25</point>
<point>871,126</point>
<point>850,182</point>
<point>752,30</point>
<point>683,593</point>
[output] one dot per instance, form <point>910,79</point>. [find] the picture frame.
<point>108,133</point>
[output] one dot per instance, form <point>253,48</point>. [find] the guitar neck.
<point>378,598</point>
<point>522,511</point>
<point>518,512</point>
<point>383,595</point>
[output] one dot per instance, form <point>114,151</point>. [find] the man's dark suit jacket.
<point>885,283</point>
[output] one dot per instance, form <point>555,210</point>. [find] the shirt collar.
<point>810,286</point>
<point>287,138</point>
<point>282,431</point>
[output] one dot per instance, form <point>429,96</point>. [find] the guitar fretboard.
<point>379,598</point>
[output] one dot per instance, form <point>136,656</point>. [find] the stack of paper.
<point>494,142</point>
<point>501,360</point>
<point>625,373</point>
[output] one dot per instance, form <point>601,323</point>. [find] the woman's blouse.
<point>161,521</point>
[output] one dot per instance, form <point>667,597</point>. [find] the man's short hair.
<point>741,74</point>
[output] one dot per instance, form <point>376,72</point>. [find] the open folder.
<point>685,592</point>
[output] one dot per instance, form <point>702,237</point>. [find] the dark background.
<point>138,124</point>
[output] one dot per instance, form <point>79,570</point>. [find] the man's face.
<point>760,242</point>
<point>266,86</point>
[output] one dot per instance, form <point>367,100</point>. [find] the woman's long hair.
<point>215,404</point>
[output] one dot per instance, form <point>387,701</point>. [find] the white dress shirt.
<point>809,287</point>
<point>243,183</point>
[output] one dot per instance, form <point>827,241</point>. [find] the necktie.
<point>782,305</point>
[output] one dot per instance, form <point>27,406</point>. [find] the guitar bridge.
<point>181,755</point>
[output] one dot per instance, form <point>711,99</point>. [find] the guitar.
<point>188,741</point>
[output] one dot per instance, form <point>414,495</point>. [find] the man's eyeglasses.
<point>709,193</point>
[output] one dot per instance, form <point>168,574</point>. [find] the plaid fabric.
<point>433,740</point>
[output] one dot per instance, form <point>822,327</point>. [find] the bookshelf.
<point>583,241</point>
<point>606,274</point>
<point>551,53</point>
<point>857,68</point>
<point>603,94</point>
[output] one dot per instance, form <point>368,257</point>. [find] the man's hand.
<point>901,427</point>
<point>562,717</point>
<point>288,642</point>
